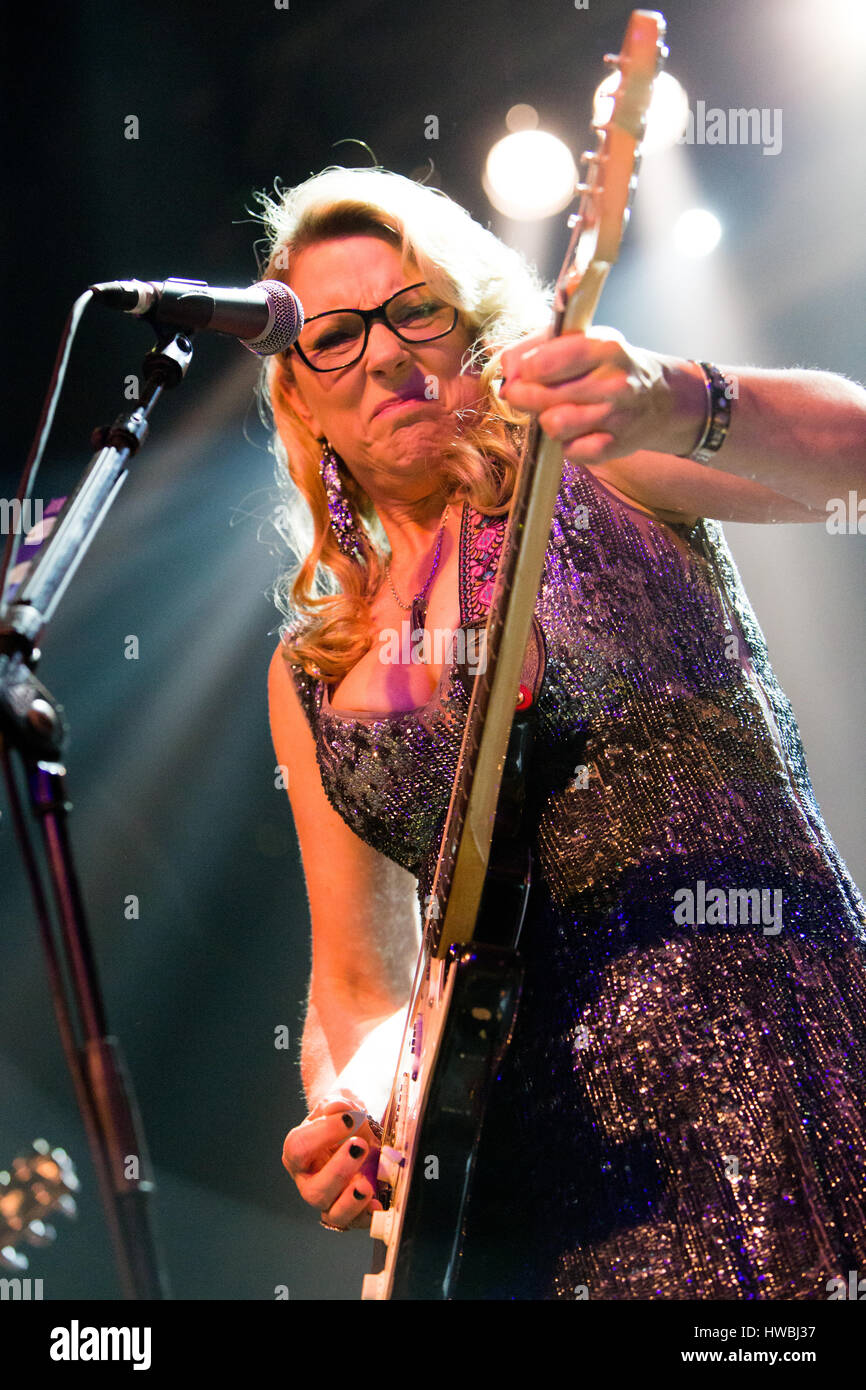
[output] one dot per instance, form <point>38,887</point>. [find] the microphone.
<point>267,317</point>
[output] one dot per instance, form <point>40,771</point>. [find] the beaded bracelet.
<point>718,420</point>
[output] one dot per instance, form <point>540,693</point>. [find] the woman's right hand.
<point>333,1156</point>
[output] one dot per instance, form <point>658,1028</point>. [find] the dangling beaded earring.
<point>339,510</point>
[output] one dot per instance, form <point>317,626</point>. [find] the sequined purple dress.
<point>682,1111</point>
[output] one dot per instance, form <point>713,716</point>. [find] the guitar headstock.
<point>610,171</point>
<point>39,1183</point>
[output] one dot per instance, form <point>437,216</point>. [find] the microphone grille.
<point>287,319</point>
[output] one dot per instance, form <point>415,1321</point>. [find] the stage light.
<point>521,117</point>
<point>668,115</point>
<point>829,44</point>
<point>697,233</point>
<point>529,174</point>
<point>844,21</point>
<point>666,119</point>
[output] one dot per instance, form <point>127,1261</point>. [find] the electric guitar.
<point>467,985</point>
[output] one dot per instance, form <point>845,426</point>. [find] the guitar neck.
<point>468,834</point>
<point>594,247</point>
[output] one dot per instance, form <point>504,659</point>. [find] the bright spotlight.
<point>846,20</point>
<point>522,117</point>
<point>529,175</point>
<point>666,119</point>
<point>668,115</point>
<point>697,233</point>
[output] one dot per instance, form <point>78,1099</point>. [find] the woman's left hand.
<point>601,397</point>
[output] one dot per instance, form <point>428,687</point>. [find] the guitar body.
<point>465,1011</point>
<point>467,987</point>
<point>470,1004</point>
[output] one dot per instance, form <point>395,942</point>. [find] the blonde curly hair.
<point>325,596</point>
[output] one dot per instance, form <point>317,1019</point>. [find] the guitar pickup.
<point>416,1045</point>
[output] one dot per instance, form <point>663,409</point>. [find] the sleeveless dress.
<point>682,1111</point>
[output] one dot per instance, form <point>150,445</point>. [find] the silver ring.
<point>326,1225</point>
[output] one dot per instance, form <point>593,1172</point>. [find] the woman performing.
<point>682,1111</point>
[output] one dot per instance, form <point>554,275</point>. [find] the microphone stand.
<point>32,723</point>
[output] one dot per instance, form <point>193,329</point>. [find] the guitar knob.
<point>373,1287</point>
<point>382,1225</point>
<point>390,1163</point>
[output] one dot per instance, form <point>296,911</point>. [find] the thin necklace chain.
<point>421,593</point>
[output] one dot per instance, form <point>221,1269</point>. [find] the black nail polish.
<point>359,1196</point>
<point>356,1150</point>
<point>348,1121</point>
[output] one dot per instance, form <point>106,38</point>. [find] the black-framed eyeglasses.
<point>339,337</point>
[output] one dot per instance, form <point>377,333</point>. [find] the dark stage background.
<point>171,768</point>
